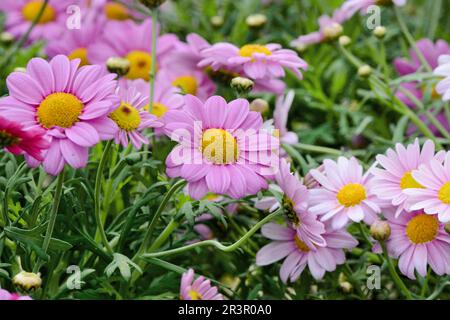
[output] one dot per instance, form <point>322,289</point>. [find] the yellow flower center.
<point>80,53</point>
<point>126,116</point>
<point>195,295</point>
<point>249,49</point>
<point>186,83</point>
<point>408,182</point>
<point>140,64</point>
<point>219,146</point>
<point>59,109</point>
<point>116,11</point>
<point>444,193</point>
<point>351,194</point>
<point>422,228</point>
<point>158,109</point>
<point>7,140</point>
<point>300,244</point>
<point>32,8</point>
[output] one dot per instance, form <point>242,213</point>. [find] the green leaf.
<point>122,263</point>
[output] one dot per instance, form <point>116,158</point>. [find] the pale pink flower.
<point>197,289</point>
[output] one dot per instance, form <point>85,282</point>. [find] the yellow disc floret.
<point>408,182</point>
<point>186,83</point>
<point>444,193</point>
<point>32,8</point>
<point>80,53</point>
<point>195,295</point>
<point>249,49</point>
<point>351,194</point>
<point>300,244</point>
<point>59,110</point>
<point>219,146</point>
<point>127,117</point>
<point>140,64</point>
<point>116,11</point>
<point>158,109</point>
<point>422,228</point>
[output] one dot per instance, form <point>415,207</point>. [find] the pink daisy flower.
<point>351,7</point>
<point>418,240</point>
<point>345,193</point>
<point>131,116</point>
<point>198,289</point>
<point>396,174</point>
<point>257,61</point>
<point>221,149</point>
<point>112,10</point>
<point>5,295</point>
<point>70,104</point>
<point>443,70</point>
<point>434,197</point>
<point>21,13</point>
<point>287,244</point>
<point>14,139</point>
<point>130,40</point>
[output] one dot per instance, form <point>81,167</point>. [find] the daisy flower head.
<point>20,14</point>
<point>286,244</point>
<point>6,295</point>
<point>221,148</point>
<point>129,40</point>
<point>443,70</point>
<point>14,139</point>
<point>112,10</point>
<point>396,173</point>
<point>434,195</point>
<point>257,61</point>
<point>418,240</point>
<point>131,116</point>
<point>351,7</point>
<point>197,289</point>
<point>345,193</point>
<point>70,104</point>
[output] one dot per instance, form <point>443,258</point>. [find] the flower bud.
<point>20,69</point>
<point>259,105</point>
<point>447,227</point>
<point>346,287</point>
<point>217,21</point>
<point>242,85</point>
<point>365,71</point>
<point>380,230</point>
<point>379,32</point>
<point>6,38</point>
<point>256,21</point>
<point>333,31</point>
<point>344,41</point>
<point>117,65</point>
<point>27,280</point>
<point>152,4</point>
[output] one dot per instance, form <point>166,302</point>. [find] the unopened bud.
<point>27,280</point>
<point>6,38</point>
<point>152,3</point>
<point>259,105</point>
<point>344,41</point>
<point>217,21</point>
<point>346,287</point>
<point>380,230</point>
<point>20,69</point>
<point>379,32</point>
<point>333,31</point>
<point>117,65</point>
<point>256,21</point>
<point>242,85</point>
<point>447,227</point>
<point>365,71</point>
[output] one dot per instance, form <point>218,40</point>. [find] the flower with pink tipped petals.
<point>396,174</point>
<point>418,240</point>
<point>14,139</point>
<point>345,193</point>
<point>443,70</point>
<point>5,295</point>
<point>434,197</point>
<point>257,61</point>
<point>131,117</point>
<point>222,148</point>
<point>71,104</point>
<point>286,244</point>
<point>198,289</point>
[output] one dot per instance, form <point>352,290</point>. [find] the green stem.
<point>318,149</point>
<point>52,218</point>
<point>173,224</point>
<point>215,243</point>
<point>394,275</point>
<point>153,66</point>
<point>97,202</point>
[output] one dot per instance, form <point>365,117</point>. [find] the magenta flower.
<point>5,295</point>
<point>131,116</point>
<point>443,70</point>
<point>131,41</point>
<point>21,13</point>
<point>257,61</point>
<point>14,139</point>
<point>221,149</point>
<point>70,104</point>
<point>434,196</point>
<point>351,7</point>
<point>112,10</point>
<point>345,193</point>
<point>198,289</point>
<point>418,240</point>
<point>287,244</point>
<point>396,174</point>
